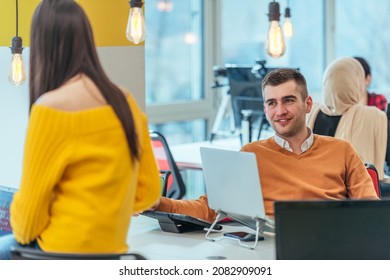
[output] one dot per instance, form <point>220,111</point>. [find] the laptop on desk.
<point>6,195</point>
<point>332,230</point>
<point>233,185</point>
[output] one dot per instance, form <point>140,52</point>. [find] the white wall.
<point>124,65</point>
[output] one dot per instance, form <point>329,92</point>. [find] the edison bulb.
<point>275,45</point>
<point>135,31</point>
<point>288,28</point>
<point>17,74</point>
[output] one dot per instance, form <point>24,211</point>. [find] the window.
<point>174,51</point>
<point>182,132</point>
<point>175,69</point>
<point>364,32</point>
<point>243,39</point>
<point>187,40</point>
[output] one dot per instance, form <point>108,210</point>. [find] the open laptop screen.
<point>232,182</point>
<point>353,229</point>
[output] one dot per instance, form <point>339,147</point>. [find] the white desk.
<point>146,237</point>
<point>187,156</point>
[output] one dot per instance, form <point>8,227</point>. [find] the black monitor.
<point>332,230</point>
<point>245,89</point>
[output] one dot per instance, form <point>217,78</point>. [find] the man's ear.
<point>309,104</point>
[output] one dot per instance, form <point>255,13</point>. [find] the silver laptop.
<point>233,184</point>
<point>6,195</point>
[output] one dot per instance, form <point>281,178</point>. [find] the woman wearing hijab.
<point>345,115</point>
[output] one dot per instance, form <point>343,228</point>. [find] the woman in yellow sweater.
<point>88,161</point>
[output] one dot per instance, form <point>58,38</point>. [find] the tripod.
<point>225,107</point>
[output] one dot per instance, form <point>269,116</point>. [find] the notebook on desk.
<point>6,195</point>
<point>332,230</point>
<point>233,185</point>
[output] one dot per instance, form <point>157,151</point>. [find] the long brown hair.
<point>62,46</point>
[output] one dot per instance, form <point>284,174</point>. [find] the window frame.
<point>207,107</point>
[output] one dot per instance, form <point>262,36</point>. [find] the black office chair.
<point>164,176</point>
<point>22,253</point>
<point>175,187</point>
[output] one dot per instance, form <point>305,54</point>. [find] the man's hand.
<point>154,206</point>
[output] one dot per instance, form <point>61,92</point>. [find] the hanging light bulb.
<point>275,45</point>
<point>17,74</point>
<point>135,31</point>
<point>287,26</point>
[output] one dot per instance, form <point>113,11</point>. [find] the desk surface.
<point>145,237</point>
<point>187,156</point>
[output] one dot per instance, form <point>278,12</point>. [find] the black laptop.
<point>332,230</point>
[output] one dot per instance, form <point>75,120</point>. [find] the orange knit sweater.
<point>330,169</point>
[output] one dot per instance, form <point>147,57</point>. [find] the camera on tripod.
<point>219,75</point>
<point>244,95</point>
<point>259,70</point>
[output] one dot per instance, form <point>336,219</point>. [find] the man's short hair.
<point>283,75</point>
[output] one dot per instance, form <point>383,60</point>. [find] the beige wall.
<point>126,67</point>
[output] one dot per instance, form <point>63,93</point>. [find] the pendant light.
<point>17,73</point>
<point>287,26</point>
<point>135,31</point>
<point>275,45</point>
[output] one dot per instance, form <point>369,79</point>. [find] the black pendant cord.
<point>17,18</point>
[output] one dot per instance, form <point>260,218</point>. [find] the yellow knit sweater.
<point>79,187</point>
<point>331,169</point>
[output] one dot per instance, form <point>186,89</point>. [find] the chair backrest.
<point>175,185</point>
<point>22,253</point>
<point>165,176</point>
<point>374,176</point>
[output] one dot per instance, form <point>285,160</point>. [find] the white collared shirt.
<point>305,145</point>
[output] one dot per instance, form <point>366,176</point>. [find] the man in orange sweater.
<point>294,164</point>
